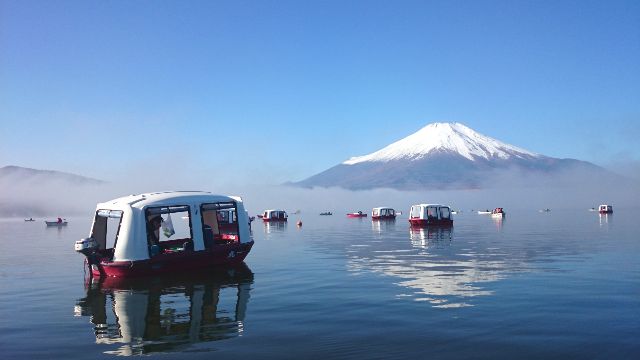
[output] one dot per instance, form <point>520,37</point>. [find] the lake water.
<point>557,285</point>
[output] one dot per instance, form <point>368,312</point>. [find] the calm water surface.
<point>561,285</point>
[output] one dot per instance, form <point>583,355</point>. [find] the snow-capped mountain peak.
<point>445,137</point>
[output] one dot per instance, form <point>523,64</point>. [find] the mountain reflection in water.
<point>167,314</point>
<point>430,268</point>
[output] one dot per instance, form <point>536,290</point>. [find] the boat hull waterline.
<point>173,262</point>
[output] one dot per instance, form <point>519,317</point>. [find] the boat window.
<point>106,227</point>
<point>432,212</point>
<point>415,212</point>
<point>174,232</point>
<point>219,223</point>
<point>445,213</point>
<point>375,212</point>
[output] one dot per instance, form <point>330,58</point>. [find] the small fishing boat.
<point>59,222</point>
<point>135,236</point>
<point>430,215</point>
<point>497,213</point>
<point>484,212</point>
<point>383,213</point>
<point>358,214</point>
<point>544,210</point>
<point>605,209</point>
<point>29,219</point>
<point>274,215</point>
<point>328,213</point>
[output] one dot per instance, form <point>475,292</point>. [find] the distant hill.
<point>451,156</point>
<point>17,173</point>
<point>34,193</point>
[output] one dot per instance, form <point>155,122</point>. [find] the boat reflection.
<point>498,222</point>
<point>274,226</point>
<point>167,314</point>
<point>425,237</point>
<point>383,225</point>
<point>605,220</point>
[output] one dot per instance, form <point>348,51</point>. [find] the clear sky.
<point>272,91</point>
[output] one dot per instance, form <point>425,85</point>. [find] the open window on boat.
<point>415,212</point>
<point>174,233</point>
<point>219,223</point>
<point>445,213</point>
<point>432,212</point>
<point>105,230</point>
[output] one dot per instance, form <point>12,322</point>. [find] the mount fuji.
<point>450,156</point>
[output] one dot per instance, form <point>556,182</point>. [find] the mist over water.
<point>511,190</point>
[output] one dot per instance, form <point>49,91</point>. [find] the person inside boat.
<point>153,230</point>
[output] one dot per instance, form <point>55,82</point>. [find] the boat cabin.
<point>164,232</point>
<point>430,214</point>
<point>274,215</point>
<point>605,209</point>
<point>383,213</point>
<point>497,213</point>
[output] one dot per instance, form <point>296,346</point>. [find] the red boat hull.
<point>221,254</point>
<point>356,215</point>
<point>430,222</point>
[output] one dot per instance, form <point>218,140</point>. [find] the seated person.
<point>153,230</point>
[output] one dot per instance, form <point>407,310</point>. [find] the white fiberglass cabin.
<point>166,231</point>
<point>383,213</point>
<point>605,209</point>
<point>430,214</point>
<point>274,215</point>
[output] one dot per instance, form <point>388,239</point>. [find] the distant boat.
<point>358,214</point>
<point>544,210</point>
<point>498,213</point>
<point>274,215</point>
<point>29,219</point>
<point>593,209</point>
<point>56,223</point>
<point>484,212</point>
<point>326,213</point>
<point>383,213</point>
<point>605,209</point>
<point>430,215</point>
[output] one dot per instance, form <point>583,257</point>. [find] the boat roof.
<point>274,210</point>
<point>382,207</point>
<point>431,205</point>
<point>165,198</point>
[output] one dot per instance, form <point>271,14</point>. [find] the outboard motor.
<point>87,247</point>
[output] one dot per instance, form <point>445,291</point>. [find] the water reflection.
<point>605,220</point>
<point>498,222</point>
<point>170,313</point>
<point>430,268</point>
<point>274,226</point>
<point>381,226</point>
<point>428,236</point>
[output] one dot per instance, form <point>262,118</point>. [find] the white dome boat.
<point>124,242</point>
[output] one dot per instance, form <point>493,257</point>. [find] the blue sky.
<point>273,91</point>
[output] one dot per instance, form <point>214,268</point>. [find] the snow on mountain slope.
<point>447,137</point>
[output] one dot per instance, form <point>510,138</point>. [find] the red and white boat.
<point>274,215</point>
<point>358,214</point>
<point>498,213</point>
<point>430,215</point>
<point>187,235</point>
<point>383,213</point>
<point>605,209</point>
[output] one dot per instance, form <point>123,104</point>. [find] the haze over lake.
<point>562,284</point>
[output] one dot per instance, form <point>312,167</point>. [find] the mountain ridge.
<point>447,156</point>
